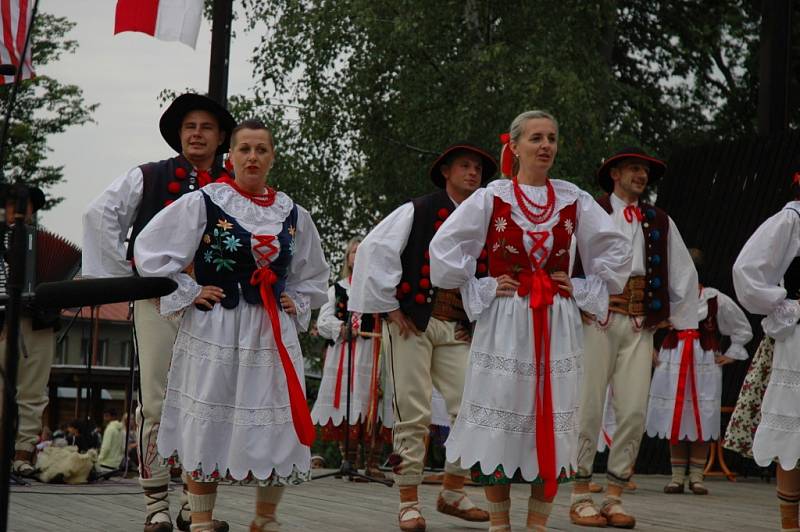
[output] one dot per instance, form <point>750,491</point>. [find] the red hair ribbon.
<point>264,278</point>
<point>506,156</point>
<point>687,370</point>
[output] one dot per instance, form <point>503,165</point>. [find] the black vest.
<point>162,183</point>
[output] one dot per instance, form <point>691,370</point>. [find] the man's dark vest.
<point>415,291</point>
<point>162,183</point>
<point>225,257</point>
<point>655,228</point>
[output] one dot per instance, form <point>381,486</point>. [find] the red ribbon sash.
<point>542,289</point>
<point>687,369</point>
<point>264,278</point>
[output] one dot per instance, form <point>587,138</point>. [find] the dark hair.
<point>111,411</point>
<point>455,154</point>
<point>251,123</point>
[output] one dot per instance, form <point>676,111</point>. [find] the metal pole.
<point>220,51</point>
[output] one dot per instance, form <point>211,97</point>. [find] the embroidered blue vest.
<point>225,257</point>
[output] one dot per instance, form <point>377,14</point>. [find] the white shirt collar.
<point>618,203</point>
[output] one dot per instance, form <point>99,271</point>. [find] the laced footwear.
<point>698,488</point>
<point>616,515</point>
<point>158,518</point>
<point>410,517</point>
<point>158,526</point>
<point>184,525</point>
<point>265,524</point>
<point>673,487</point>
<point>583,512</point>
<point>460,506</point>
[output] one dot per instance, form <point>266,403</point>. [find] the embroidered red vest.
<point>708,329</point>
<point>504,242</point>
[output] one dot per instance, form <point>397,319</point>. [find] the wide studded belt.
<point>447,306</point>
<point>631,301</point>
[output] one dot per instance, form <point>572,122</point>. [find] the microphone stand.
<point>347,469</point>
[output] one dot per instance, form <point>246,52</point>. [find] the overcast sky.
<point>124,74</point>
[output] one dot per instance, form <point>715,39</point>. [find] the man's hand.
<point>506,286</point>
<point>563,282</point>
<point>404,324</point>
<point>587,318</point>
<point>209,296</point>
<point>463,333</point>
<point>288,305</point>
<point>722,360</point>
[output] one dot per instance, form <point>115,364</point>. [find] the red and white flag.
<point>168,20</point>
<point>15,19</point>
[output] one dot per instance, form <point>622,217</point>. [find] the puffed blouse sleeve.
<point>733,323</point>
<point>455,249</point>
<point>309,273</point>
<point>606,257</point>
<point>760,267</point>
<point>328,325</point>
<point>166,247</point>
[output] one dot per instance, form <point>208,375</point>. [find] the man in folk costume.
<point>686,392</point>
<point>661,292</point>
<point>198,128</point>
<point>426,334</point>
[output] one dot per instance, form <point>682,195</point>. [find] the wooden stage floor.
<point>339,505</point>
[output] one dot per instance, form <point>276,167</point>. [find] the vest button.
<point>419,299</point>
<point>655,234</point>
<point>655,260</point>
<point>655,283</point>
<point>655,305</point>
<point>650,213</point>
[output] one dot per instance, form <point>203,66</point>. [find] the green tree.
<point>44,107</point>
<point>381,86</point>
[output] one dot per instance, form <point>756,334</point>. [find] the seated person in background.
<point>112,450</point>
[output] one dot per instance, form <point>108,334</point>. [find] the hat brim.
<point>489,165</point>
<point>657,169</point>
<point>35,195</point>
<point>172,119</point>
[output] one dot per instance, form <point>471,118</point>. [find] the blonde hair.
<point>352,243</point>
<point>518,124</point>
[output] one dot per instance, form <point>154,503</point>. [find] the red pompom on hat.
<point>180,172</point>
<point>174,187</point>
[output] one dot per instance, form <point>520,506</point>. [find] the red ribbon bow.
<point>265,278</point>
<point>686,370</point>
<point>506,155</point>
<point>203,178</point>
<point>631,212</point>
<point>542,289</point>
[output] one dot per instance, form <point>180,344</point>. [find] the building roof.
<point>110,312</point>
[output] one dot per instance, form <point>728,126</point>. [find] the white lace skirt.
<point>778,433</point>
<point>606,438</point>
<point>227,402</point>
<point>324,411</point>
<point>663,390</point>
<point>496,424</point>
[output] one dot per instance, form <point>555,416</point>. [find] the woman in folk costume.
<point>686,390</point>
<point>757,273</point>
<point>519,414</point>
<point>235,404</point>
<point>330,407</point>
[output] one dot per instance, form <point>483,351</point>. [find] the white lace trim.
<point>182,297</point>
<point>232,415</point>
<point>737,352</point>
<point>566,192</point>
<point>478,295</point>
<point>501,365</point>
<point>785,377</point>
<point>193,347</point>
<point>780,422</point>
<point>303,305</point>
<point>591,295</point>
<point>506,421</point>
<point>249,215</point>
<point>781,321</point>
<point>668,403</point>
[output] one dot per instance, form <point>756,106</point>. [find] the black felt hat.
<point>35,195</point>
<point>657,166</point>
<point>172,119</point>
<point>489,164</point>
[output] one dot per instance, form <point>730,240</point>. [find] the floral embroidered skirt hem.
<point>499,477</point>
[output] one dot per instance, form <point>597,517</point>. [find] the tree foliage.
<point>381,86</point>
<point>44,106</point>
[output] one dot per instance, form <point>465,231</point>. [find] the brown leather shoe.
<point>595,488</point>
<point>617,519</point>
<point>673,487</point>
<point>411,523</point>
<point>593,520</point>
<point>474,514</point>
<point>698,488</point>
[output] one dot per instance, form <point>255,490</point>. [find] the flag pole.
<point>222,16</point>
